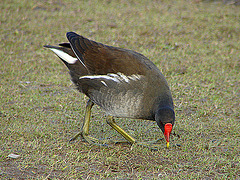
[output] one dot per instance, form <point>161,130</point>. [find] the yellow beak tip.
<point>167,144</point>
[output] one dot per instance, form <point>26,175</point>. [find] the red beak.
<point>167,132</point>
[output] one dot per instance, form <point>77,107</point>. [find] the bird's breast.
<point>124,104</point>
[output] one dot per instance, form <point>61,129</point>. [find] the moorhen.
<point>122,82</point>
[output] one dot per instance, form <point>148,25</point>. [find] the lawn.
<point>196,45</point>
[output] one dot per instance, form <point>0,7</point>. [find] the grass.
<point>194,43</point>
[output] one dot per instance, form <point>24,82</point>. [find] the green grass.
<point>194,43</point>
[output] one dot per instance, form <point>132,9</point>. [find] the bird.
<point>122,82</point>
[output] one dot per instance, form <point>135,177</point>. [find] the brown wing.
<point>102,59</point>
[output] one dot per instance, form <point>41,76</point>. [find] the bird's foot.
<point>105,142</point>
<point>95,141</point>
<point>75,137</point>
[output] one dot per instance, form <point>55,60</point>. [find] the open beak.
<point>167,132</point>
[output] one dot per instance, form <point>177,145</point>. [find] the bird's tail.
<point>65,53</point>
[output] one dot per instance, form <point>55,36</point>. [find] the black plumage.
<point>122,82</point>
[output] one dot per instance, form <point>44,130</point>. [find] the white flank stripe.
<point>134,77</point>
<point>123,77</point>
<point>113,75</point>
<point>119,77</point>
<point>104,83</point>
<point>66,57</point>
<point>100,77</point>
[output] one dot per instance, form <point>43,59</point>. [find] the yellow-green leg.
<point>85,129</point>
<point>113,124</point>
<point>129,138</point>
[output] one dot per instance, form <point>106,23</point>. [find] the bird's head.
<point>165,118</point>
